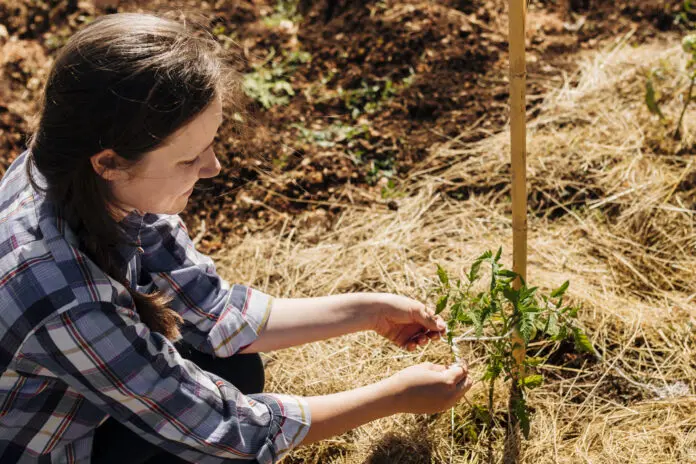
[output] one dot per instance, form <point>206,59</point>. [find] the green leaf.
<point>551,328</point>
<point>283,85</point>
<point>442,275</point>
<point>493,370</point>
<point>582,343</point>
<point>533,333</point>
<point>650,100</point>
<point>441,304</point>
<point>525,326</point>
<point>689,43</point>
<point>480,413</point>
<point>474,271</point>
<point>560,291</point>
<point>511,294</point>
<point>507,273</point>
<point>531,381</point>
<point>465,318</point>
<point>488,310</point>
<point>455,310</point>
<point>562,334</point>
<point>533,361</point>
<point>519,408</point>
<point>498,254</point>
<point>527,294</point>
<point>475,317</point>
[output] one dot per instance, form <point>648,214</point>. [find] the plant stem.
<point>452,439</point>
<point>491,391</point>
<point>677,133</point>
<point>511,454</point>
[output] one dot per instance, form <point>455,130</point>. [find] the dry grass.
<point>612,200</point>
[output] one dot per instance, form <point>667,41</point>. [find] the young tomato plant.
<point>491,316</point>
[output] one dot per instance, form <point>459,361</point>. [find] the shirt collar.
<point>131,226</point>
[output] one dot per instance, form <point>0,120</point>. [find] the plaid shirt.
<point>73,350</point>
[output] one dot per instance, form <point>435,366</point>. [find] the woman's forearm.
<point>296,321</point>
<point>339,412</point>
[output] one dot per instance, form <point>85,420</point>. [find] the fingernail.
<point>441,324</point>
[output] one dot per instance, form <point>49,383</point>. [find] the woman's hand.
<point>406,322</point>
<point>429,388</point>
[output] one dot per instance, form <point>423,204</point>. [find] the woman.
<point>118,340</point>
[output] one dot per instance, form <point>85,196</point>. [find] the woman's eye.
<point>190,163</point>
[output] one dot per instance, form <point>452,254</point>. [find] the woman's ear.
<point>109,166</point>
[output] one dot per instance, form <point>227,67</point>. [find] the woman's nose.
<point>211,168</point>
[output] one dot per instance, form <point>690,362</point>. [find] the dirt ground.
<point>390,152</point>
<point>384,83</point>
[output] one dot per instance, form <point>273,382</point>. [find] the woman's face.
<point>162,181</point>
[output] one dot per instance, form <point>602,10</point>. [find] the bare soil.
<point>404,75</point>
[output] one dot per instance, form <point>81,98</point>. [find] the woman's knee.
<point>254,378</point>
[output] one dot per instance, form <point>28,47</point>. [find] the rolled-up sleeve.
<point>107,355</point>
<point>290,426</point>
<point>220,319</point>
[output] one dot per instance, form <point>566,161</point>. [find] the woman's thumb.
<point>431,321</point>
<point>456,372</point>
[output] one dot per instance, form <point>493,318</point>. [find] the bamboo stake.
<point>518,149</point>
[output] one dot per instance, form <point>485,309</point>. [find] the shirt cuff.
<point>290,422</point>
<point>242,321</point>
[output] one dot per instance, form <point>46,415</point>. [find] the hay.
<point>612,199</point>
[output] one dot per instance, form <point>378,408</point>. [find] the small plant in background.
<point>390,192</point>
<point>349,138</point>
<point>652,95</point>
<point>369,98</point>
<point>380,168</point>
<point>689,46</point>
<point>332,135</point>
<point>685,15</point>
<point>490,317</point>
<point>285,11</point>
<point>271,86</point>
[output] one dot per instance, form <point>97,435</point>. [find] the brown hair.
<point>125,82</point>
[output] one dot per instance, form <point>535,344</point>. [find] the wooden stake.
<point>518,148</point>
<point>518,138</point>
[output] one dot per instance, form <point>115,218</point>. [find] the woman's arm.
<point>296,321</point>
<point>340,412</point>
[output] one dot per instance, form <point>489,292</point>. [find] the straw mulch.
<point>611,210</point>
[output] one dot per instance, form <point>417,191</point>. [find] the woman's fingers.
<point>420,339</point>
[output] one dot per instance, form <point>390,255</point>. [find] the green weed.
<point>368,99</point>
<point>285,10</point>
<point>270,86</point>
<point>652,95</point>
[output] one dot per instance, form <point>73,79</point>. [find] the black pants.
<point>117,444</point>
